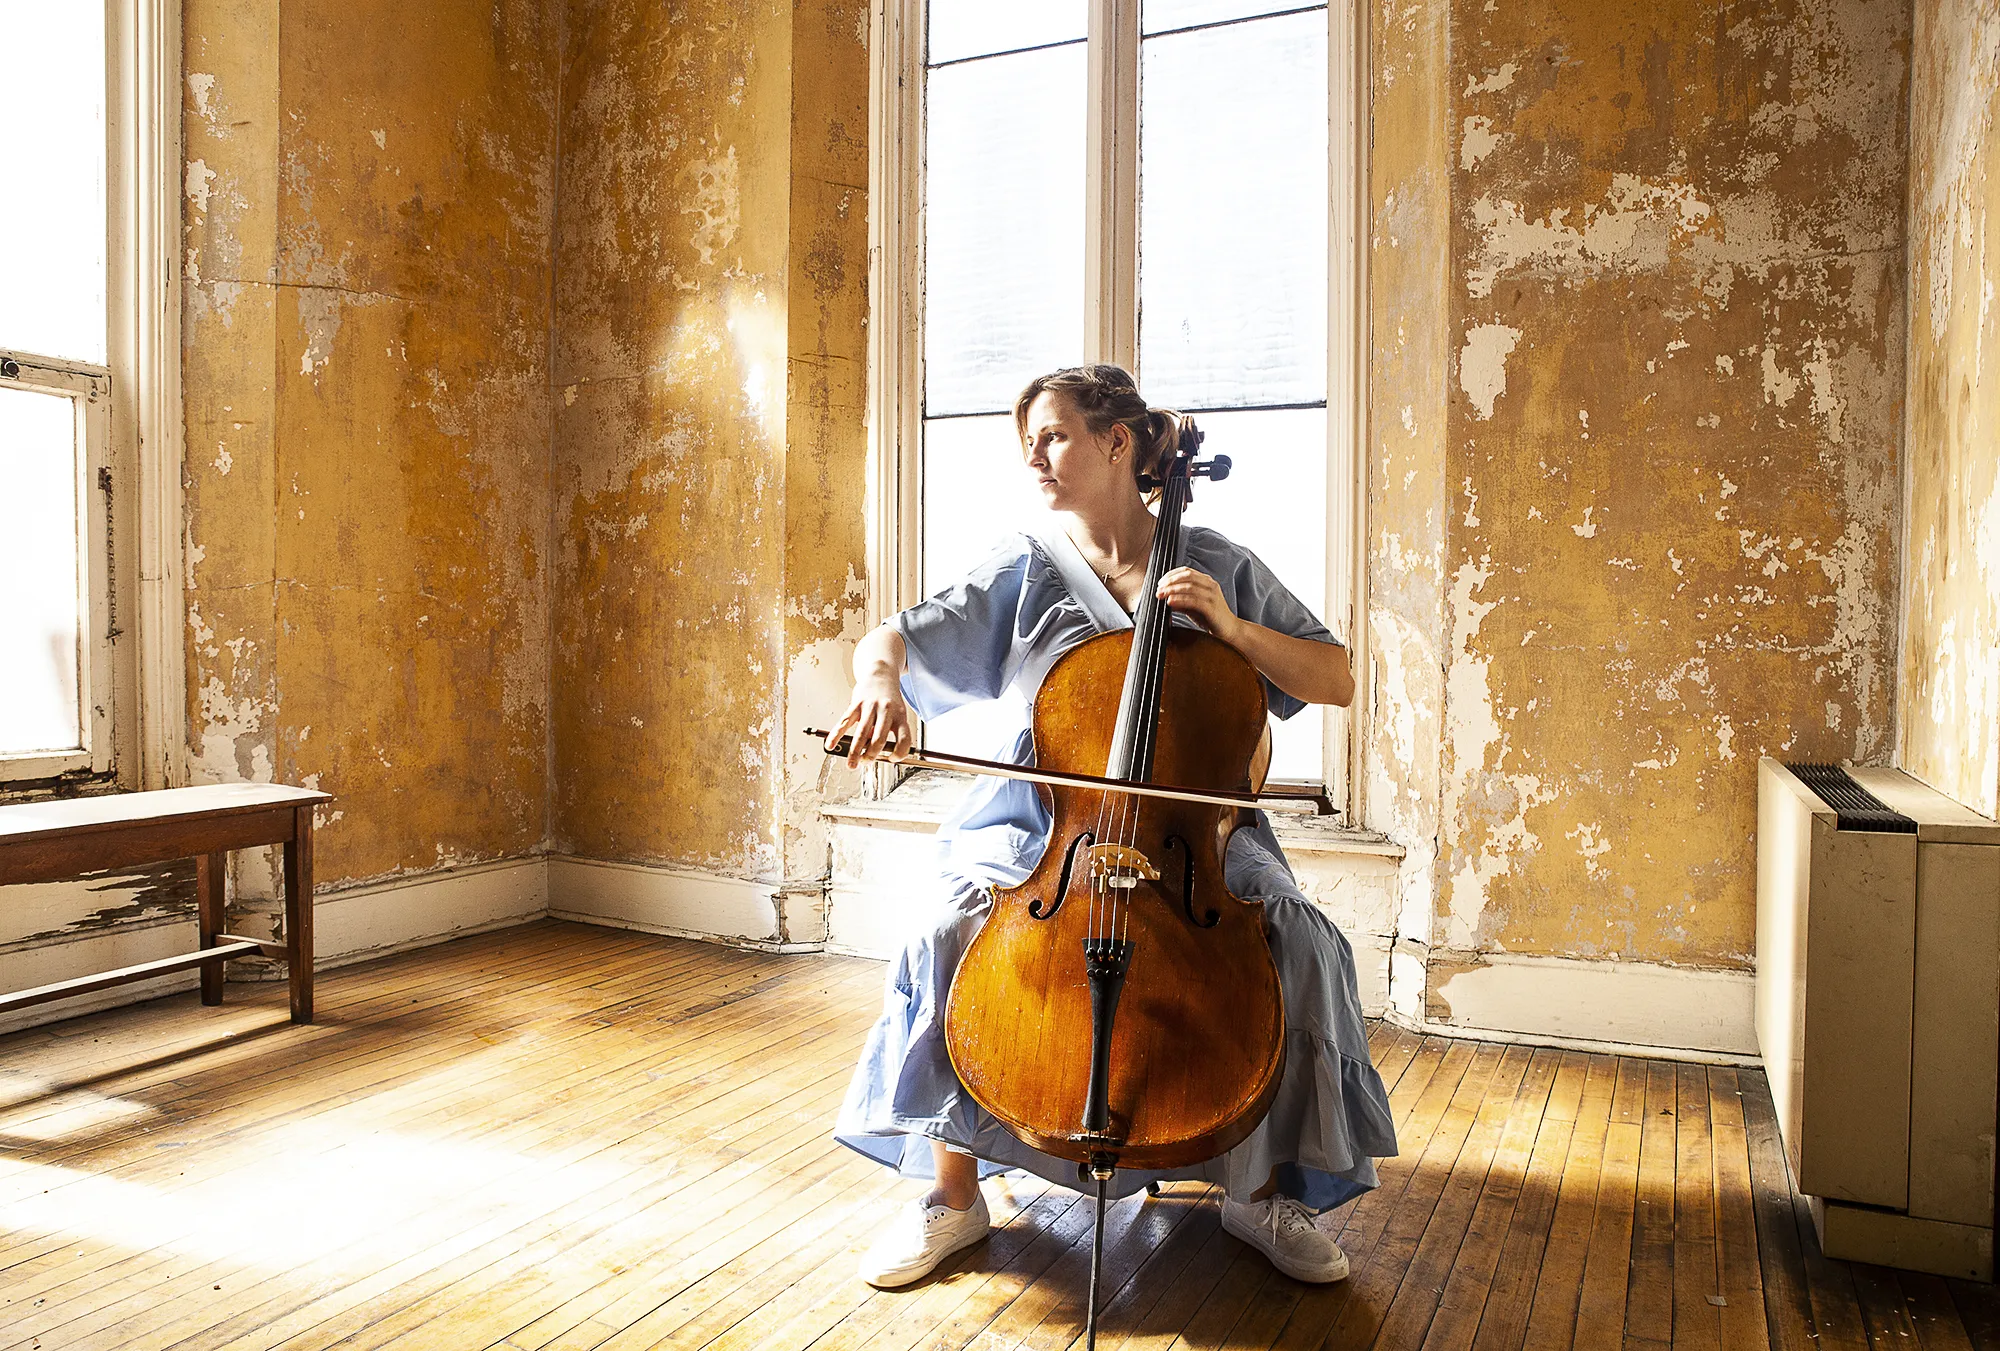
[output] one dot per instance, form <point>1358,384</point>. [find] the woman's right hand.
<point>876,715</point>
<point>878,720</point>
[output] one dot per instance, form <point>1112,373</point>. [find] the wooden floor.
<point>566,1137</point>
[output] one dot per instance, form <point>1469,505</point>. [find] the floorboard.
<point>564,1138</point>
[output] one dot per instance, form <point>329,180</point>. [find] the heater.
<point>1878,1010</point>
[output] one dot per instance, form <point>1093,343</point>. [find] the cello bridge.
<point>1120,867</point>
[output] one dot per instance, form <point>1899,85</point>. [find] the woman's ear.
<point>1121,442</point>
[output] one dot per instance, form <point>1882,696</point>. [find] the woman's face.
<point>1075,467</point>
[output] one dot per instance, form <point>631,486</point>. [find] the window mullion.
<point>97,600</point>
<point>1347,388</point>
<point>1111,188</point>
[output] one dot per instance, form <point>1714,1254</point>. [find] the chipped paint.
<point>1476,141</point>
<point>1482,364</point>
<point>1949,697</point>
<point>1631,230</point>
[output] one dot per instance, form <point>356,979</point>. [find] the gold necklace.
<point>1110,577</point>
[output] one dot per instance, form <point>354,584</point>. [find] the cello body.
<point>1197,1044</point>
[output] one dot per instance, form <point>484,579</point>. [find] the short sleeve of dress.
<point>1255,593</point>
<point>962,642</point>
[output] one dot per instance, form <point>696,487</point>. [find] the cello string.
<point>1157,621</point>
<point>1134,766</point>
<point>1119,828</point>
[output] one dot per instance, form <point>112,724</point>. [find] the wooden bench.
<point>59,841</point>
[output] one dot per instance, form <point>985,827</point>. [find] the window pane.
<point>1274,504</point>
<point>52,160</point>
<point>1158,16</point>
<point>961,28</point>
<point>976,492</point>
<point>1232,215</point>
<point>1003,297</point>
<point>39,700</point>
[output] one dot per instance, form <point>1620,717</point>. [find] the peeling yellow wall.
<point>1670,429</point>
<point>369,198</point>
<point>711,277</point>
<point>1949,704</point>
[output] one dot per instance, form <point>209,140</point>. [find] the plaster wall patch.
<point>1827,405</point>
<point>714,199</point>
<point>199,176</point>
<point>1482,364</point>
<point>319,317</point>
<point>1629,231</point>
<point>1779,384</point>
<point>1477,142</point>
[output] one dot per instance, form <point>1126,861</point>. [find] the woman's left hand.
<point>1194,592</point>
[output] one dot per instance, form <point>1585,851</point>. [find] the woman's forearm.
<point>880,656</point>
<point>1303,668</point>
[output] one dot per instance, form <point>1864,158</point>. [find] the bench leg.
<point>299,914</point>
<point>209,870</point>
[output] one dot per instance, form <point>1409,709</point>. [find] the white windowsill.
<point>922,801</point>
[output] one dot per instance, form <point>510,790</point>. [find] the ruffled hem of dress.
<point>1334,1131</point>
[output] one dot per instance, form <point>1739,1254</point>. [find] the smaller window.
<point>54,542</point>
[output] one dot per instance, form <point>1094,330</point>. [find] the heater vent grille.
<point>1854,807</point>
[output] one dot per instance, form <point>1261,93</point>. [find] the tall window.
<point>56,617</point>
<point>1141,181</point>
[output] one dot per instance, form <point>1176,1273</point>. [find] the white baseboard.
<point>670,901</point>
<point>1636,1007</point>
<point>350,925</point>
<point>373,920</point>
<point>26,968</point>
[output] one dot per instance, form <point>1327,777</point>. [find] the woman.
<point>1087,436</point>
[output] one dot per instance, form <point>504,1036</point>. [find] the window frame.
<point>133,663</point>
<point>88,388</point>
<point>1111,327</point>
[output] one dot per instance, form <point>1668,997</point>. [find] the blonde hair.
<point>1106,397</point>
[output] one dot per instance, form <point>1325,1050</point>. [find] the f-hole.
<point>1062,887</point>
<point>1207,921</point>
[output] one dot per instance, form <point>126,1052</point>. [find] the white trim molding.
<point>1111,187</point>
<point>673,901</point>
<point>1347,413</point>
<point>150,75</point>
<point>1640,1007</point>
<point>895,287</point>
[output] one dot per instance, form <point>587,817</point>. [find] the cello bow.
<point>1321,804</point>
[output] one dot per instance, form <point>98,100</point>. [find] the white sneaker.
<point>919,1237</point>
<point>1283,1231</point>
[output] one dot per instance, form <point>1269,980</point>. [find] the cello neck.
<point>1138,724</point>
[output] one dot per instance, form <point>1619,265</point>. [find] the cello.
<point>1119,1006</point>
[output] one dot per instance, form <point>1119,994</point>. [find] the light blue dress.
<point>1003,626</point>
